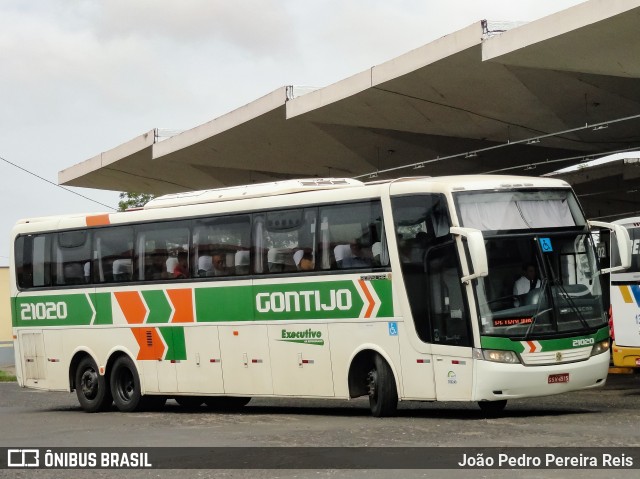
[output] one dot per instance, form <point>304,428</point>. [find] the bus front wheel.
<point>381,387</point>
<point>91,388</point>
<point>125,385</point>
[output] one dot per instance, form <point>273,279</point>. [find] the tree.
<point>133,200</point>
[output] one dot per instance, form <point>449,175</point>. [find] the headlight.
<point>601,347</point>
<point>498,356</point>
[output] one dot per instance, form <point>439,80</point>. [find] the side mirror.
<point>623,243</point>
<point>478,253</point>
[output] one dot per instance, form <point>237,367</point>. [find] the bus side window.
<point>155,244</point>
<point>285,241</point>
<point>221,246</point>
<point>72,251</point>
<point>113,250</point>
<point>352,236</point>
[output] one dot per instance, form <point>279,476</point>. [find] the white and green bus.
<point>319,288</point>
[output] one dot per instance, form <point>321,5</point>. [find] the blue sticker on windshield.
<point>545,244</point>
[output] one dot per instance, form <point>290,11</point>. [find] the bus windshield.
<point>540,286</point>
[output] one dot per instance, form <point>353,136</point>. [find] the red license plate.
<point>558,378</point>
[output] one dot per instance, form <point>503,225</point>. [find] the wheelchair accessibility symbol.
<point>393,328</point>
<point>545,244</point>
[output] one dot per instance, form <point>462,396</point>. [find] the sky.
<point>79,77</point>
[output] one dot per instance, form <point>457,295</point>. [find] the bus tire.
<point>189,402</point>
<point>226,402</point>
<point>381,387</point>
<point>125,385</point>
<point>492,408</point>
<point>92,389</point>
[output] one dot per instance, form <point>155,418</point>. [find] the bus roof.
<point>250,191</point>
<point>457,183</point>
<point>352,189</point>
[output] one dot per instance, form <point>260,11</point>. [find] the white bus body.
<point>314,288</point>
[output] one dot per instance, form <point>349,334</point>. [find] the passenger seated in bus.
<point>73,274</point>
<point>303,260</point>
<point>340,252</point>
<point>525,283</point>
<point>122,270</point>
<point>242,262</point>
<point>181,267</point>
<point>205,266</point>
<point>280,260</point>
<point>155,266</point>
<point>357,257</point>
<point>218,263</point>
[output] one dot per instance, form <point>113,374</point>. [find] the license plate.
<point>558,378</point>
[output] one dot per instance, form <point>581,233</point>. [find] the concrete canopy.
<point>551,80</point>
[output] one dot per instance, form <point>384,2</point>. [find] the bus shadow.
<point>460,413</point>
<point>407,410</point>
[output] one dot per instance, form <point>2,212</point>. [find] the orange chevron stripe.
<point>98,220</point>
<point>532,346</point>
<point>132,306</point>
<point>626,295</point>
<point>150,342</point>
<point>182,300</point>
<point>367,293</point>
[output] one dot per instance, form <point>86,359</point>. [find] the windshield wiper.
<point>569,299</point>
<point>534,318</point>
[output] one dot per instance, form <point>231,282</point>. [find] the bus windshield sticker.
<point>545,244</point>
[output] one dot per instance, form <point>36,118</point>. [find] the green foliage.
<point>6,377</point>
<point>133,200</point>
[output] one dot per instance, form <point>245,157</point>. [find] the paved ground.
<point>604,417</point>
<point>6,357</point>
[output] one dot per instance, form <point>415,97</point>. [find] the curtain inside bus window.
<point>518,210</point>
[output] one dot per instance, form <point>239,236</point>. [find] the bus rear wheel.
<point>381,387</point>
<point>91,388</point>
<point>492,408</point>
<point>125,385</point>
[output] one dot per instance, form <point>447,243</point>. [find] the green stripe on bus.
<point>176,346</point>
<point>508,344</point>
<point>53,310</point>
<point>233,303</point>
<point>287,301</point>
<point>159,307</point>
<point>102,305</point>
